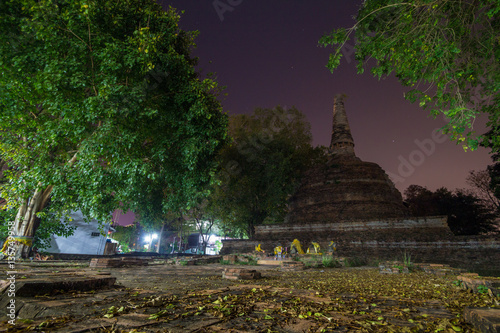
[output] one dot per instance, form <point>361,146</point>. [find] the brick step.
<point>117,262</point>
<point>272,262</point>
<point>240,274</point>
<point>476,283</point>
<point>486,320</point>
<point>290,266</point>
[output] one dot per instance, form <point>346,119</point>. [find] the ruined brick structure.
<point>355,204</point>
<point>345,188</point>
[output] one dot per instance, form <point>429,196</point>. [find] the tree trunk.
<point>256,219</point>
<point>26,223</point>
<point>159,238</point>
<point>181,220</point>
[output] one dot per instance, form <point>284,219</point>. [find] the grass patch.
<point>329,261</point>
<point>312,263</point>
<point>354,262</point>
<point>250,262</point>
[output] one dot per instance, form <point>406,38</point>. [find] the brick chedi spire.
<point>342,142</point>
<point>345,188</point>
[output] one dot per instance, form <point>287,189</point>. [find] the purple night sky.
<point>267,54</point>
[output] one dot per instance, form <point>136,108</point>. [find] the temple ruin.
<point>345,188</point>
<point>354,204</point>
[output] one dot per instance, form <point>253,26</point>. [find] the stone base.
<point>272,262</point>
<point>479,284</point>
<point>48,285</point>
<point>396,267</point>
<point>235,259</point>
<point>485,320</point>
<point>117,262</point>
<point>240,274</point>
<point>471,253</point>
<point>292,266</point>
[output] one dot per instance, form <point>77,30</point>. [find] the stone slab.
<point>272,262</point>
<point>292,266</point>
<point>49,285</point>
<point>485,320</point>
<point>117,262</point>
<point>243,274</point>
<point>475,283</point>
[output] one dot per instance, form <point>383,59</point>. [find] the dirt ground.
<point>173,298</point>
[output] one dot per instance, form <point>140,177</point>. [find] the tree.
<point>466,213</point>
<point>127,236</point>
<point>446,51</point>
<point>100,104</point>
<point>480,181</point>
<point>203,222</point>
<point>421,201</point>
<point>261,168</point>
<point>494,173</point>
<point>494,169</point>
<point>206,216</point>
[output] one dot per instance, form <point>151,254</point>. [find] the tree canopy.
<point>483,188</point>
<point>262,166</point>
<point>467,214</point>
<point>447,51</point>
<point>100,104</point>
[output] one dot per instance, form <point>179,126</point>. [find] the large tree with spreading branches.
<point>100,105</point>
<point>262,167</point>
<point>446,51</point>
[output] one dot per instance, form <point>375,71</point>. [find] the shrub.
<point>251,262</point>
<point>329,261</point>
<point>354,262</point>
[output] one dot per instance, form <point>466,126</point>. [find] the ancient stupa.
<point>345,188</point>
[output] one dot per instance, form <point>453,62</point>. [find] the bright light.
<point>150,237</point>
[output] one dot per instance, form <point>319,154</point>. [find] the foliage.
<point>354,262</point>
<point>224,262</point>
<point>465,212</point>
<point>481,183</point>
<point>218,245</point>
<point>42,239</point>
<point>482,289</point>
<point>494,173</point>
<point>49,228</point>
<point>407,260</point>
<point>126,235</point>
<point>329,261</point>
<point>354,300</point>
<point>101,100</point>
<point>249,261</point>
<point>446,51</point>
<point>262,166</point>
<point>6,215</point>
<point>204,218</point>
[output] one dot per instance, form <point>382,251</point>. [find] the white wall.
<point>82,241</point>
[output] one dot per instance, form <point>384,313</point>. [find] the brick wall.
<point>425,240</point>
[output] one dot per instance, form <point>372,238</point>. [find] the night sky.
<point>266,53</point>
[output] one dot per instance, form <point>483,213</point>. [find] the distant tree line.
<point>470,211</point>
